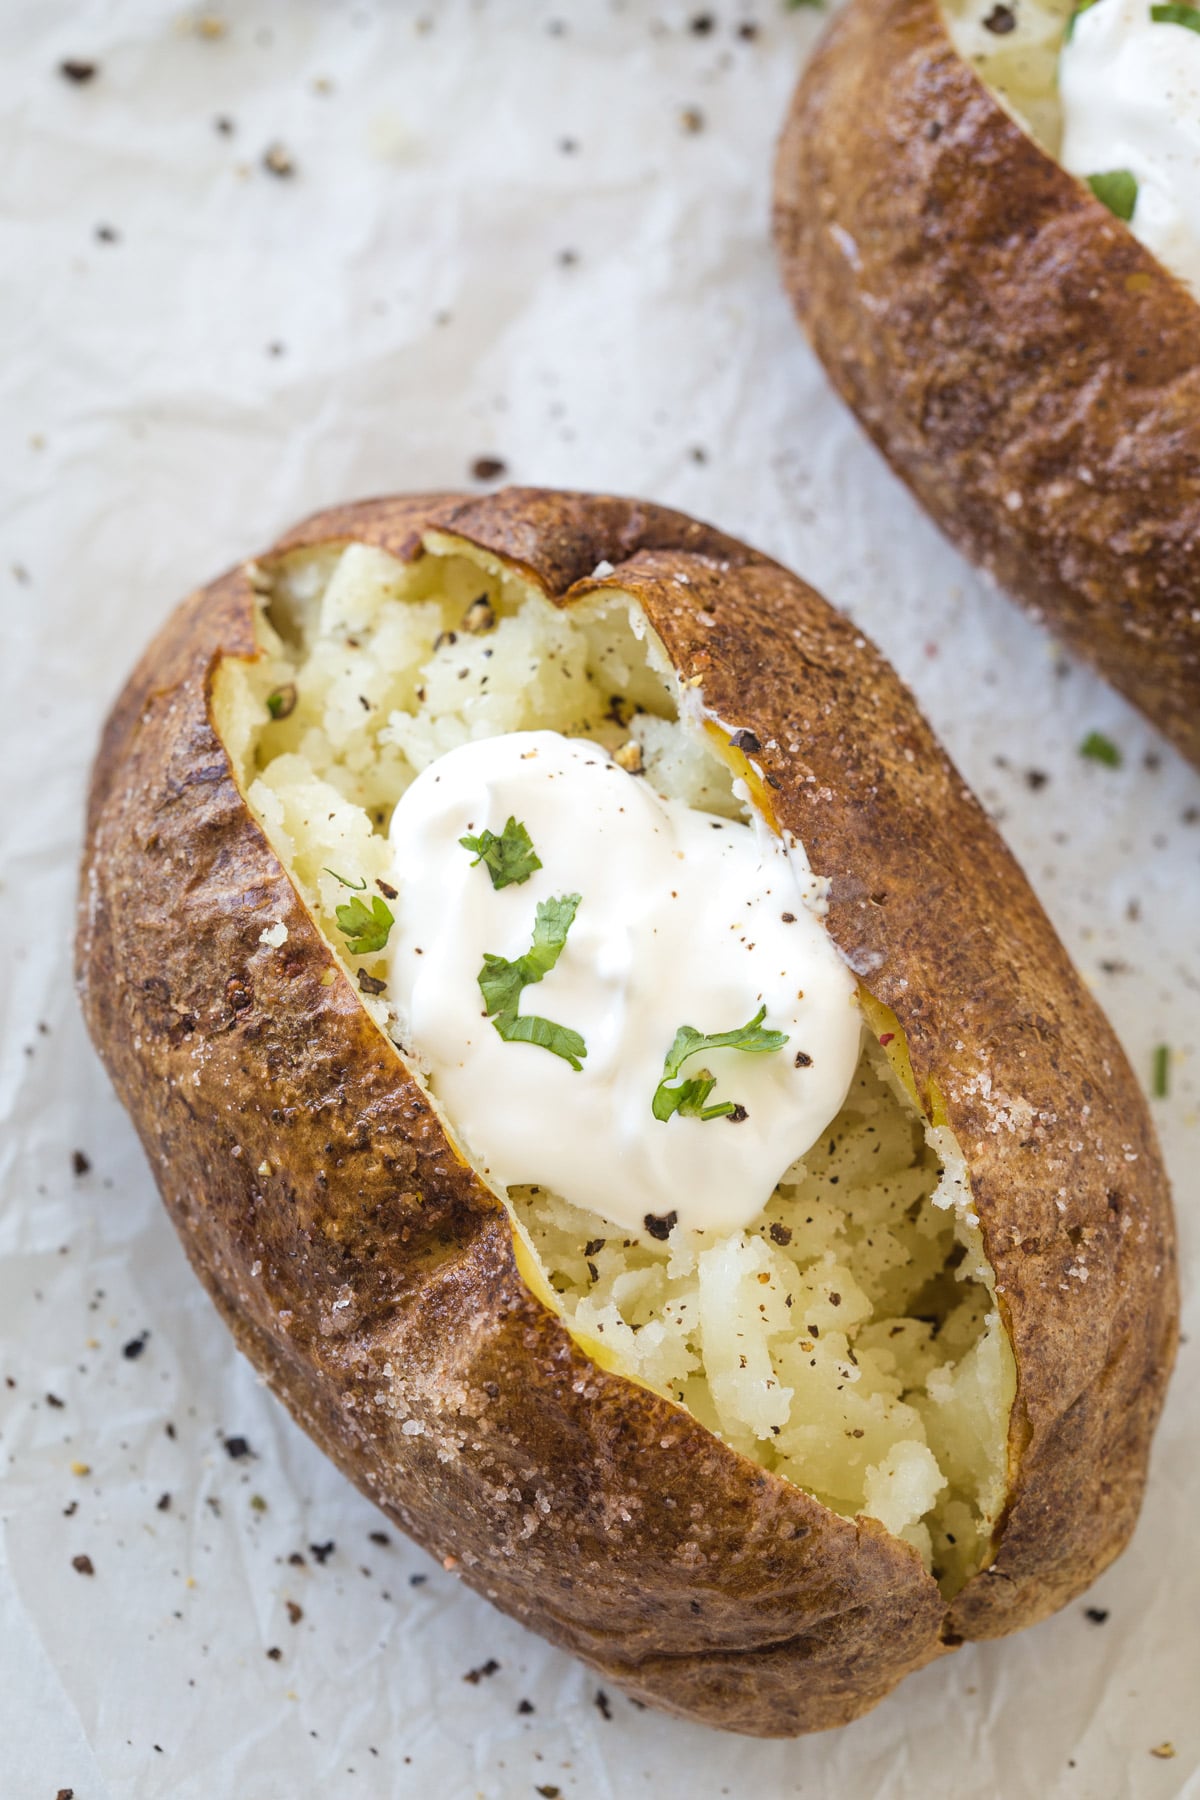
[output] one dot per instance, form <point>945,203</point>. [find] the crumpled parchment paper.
<point>535,233</point>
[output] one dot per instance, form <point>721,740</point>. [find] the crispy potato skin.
<point>1027,366</point>
<point>371,1277</point>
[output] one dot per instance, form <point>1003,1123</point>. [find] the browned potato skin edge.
<point>1023,362</point>
<point>370,1275</point>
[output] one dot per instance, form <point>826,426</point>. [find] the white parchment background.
<point>243,347</point>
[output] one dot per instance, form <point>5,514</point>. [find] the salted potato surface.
<point>757,1478</point>
<point>1023,362</point>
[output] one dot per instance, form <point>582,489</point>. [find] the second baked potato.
<point>1028,366</point>
<point>756,1471</point>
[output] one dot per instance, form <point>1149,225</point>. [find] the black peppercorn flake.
<point>488,468</point>
<point>746,742</point>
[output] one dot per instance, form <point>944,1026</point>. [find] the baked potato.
<point>1026,363</point>
<point>914,1401</point>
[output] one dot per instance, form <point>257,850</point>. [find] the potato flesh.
<point>1020,65</point>
<point>850,1339</point>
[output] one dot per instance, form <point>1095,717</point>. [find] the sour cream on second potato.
<point>1130,91</point>
<point>683,918</point>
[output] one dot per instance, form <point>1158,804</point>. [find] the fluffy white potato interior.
<point>849,1339</point>
<point>1013,45</point>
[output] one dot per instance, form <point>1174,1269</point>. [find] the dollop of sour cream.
<point>682,919</point>
<point>1130,91</point>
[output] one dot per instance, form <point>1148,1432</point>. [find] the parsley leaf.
<point>1176,15</point>
<point>552,921</point>
<point>1098,748</point>
<point>749,1037</point>
<point>528,1028</point>
<point>365,928</point>
<point>689,1097</point>
<point>501,983</point>
<point>1118,190</point>
<point>509,858</point>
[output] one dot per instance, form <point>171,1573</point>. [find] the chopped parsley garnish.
<point>689,1097</point>
<point>1101,749</point>
<point>1118,190</point>
<point>1176,15</point>
<point>358,886</point>
<point>502,983</point>
<point>365,928</point>
<point>509,859</point>
<point>1160,1085</point>
<point>1084,6</point>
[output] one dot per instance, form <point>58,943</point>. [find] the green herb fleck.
<point>502,982</point>
<point>365,928</point>
<point>1101,749</point>
<point>358,886</point>
<point>510,858</point>
<point>688,1099</point>
<point>1118,190</point>
<point>1176,15</point>
<point>282,703</point>
<point>796,5</point>
<point>1084,6</point>
<point>1160,1084</point>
